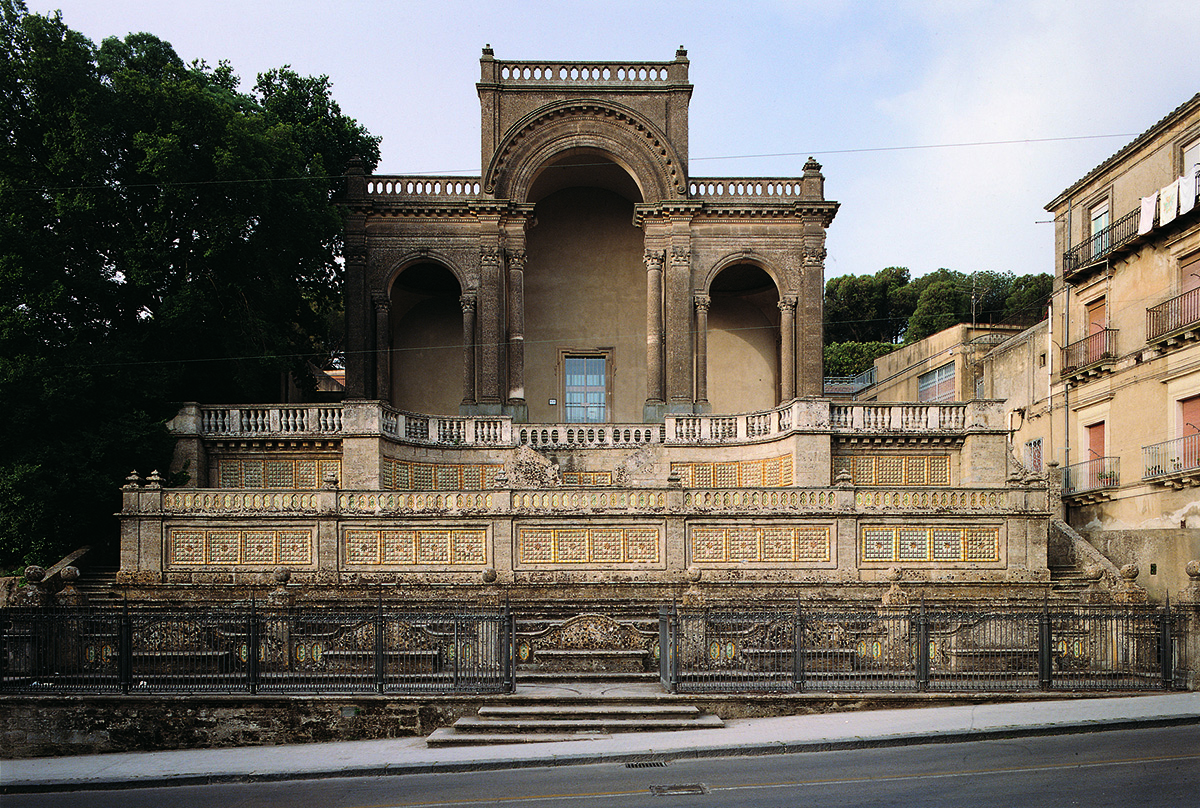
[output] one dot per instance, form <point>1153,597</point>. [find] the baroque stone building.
<point>586,377</point>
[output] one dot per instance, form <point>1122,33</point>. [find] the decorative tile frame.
<point>425,547</point>
<point>885,469</point>
<point>405,475</point>
<point>228,547</point>
<point>589,546</point>
<point>771,472</point>
<point>289,473</point>
<point>760,545</point>
<point>932,544</point>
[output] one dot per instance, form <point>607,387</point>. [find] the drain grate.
<point>671,791</point>
<point>647,764</point>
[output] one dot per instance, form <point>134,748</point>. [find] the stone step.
<point>447,736</point>
<point>604,725</point>
<point>566,710</point>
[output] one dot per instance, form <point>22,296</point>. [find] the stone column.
<point>490,297</point>
<point>677,320</point>
<point>654,332</point>
<point>787,348</point>
<point>468,360</point>
<point>383,346</point>
<point>702,303</point>
<point>516,329</point>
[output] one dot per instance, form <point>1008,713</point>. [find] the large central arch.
<point>620,134</point>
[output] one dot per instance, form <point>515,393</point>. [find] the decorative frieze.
<point>587,479</point>
<point>371,502</point>
<point>894,469</point>
<point>589,545</point>
<point>402,475</point>
<point>937,543</point>
<point>931,500</point>
<point>277,472</point>
<point>756,500</point>
<point>585,500</point>
<point>771,472</point>
<point>760,544</point>
<point>196,547</point>
<point>448,547</point>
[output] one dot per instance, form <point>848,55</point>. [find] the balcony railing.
<point>1089,351</point>
<point>1173,315</point>
<point>741,189</point>
<point>1171,457</point>
<point>1102,244</point>
<point>1094,475</point>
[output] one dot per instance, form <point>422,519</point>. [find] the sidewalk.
<point>739,737</point>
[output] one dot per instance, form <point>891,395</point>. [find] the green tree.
<point>163,237</point>
<point>866,308</point>
<point>852,358</point>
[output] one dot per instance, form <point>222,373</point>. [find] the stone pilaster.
<point>383,346</point>
<point>678,330</point>
<point>488,311</point>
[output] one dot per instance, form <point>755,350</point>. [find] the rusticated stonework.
<point>760,544</point>
<point>401,475</point>
<point>941,543</point>
<point>589,545</point>
<point>772,472</point>
<point>288,473</point>
<point>894,469</point>
<point>415,547</point>
<point>195,547</point>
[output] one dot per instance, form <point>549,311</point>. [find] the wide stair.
<point>1068,580</point>
<point>569,720</point>
<point>98,586</point>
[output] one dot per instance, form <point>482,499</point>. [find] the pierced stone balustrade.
<point>744,189</point>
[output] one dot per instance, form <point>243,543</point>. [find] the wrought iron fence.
<point>915,649</point>
<point>253,650</point>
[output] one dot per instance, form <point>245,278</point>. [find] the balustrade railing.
<point>418,187</point>
<point>474,431</point>
<point>1100,245</point>
<point>1171,457</point>
<point>1173,315</point>
<point>1092,475</point>
<point>575,73</point>
<point>1090,350</point>
<point>742,189</point>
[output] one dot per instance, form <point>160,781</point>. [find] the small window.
<point>937,384</point>
<point>585,388</point>
<point>1033,455</point>
<point>1191,157</point>
<point>1042,360</point>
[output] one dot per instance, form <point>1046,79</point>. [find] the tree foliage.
<point>852,358</point>
<point>889,307</point>
<point>164,237</point>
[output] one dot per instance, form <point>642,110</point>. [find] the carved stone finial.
<point>155,480</point>
<point>1128,591</point>
<point>895,596</point>
<point>843,479</point>
<point>134,480</point>
<point>1193,572</point>
<point>694,574</point>
<point>489,575</point>
<point>329,480</point>
<point>33,593</point>
<point>69,595</point>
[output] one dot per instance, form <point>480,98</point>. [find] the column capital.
<point>653,259</point>
<point>489,255</point>
<point>787,302</point>
<point>702,302</point>
<point>467,302</point>
<point>381,300</point>
<point>516,259</point>
<point>681,255</point>
<point>813,255</point>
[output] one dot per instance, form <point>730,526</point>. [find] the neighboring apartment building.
<point>1109,388</point>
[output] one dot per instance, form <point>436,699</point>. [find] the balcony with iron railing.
<point>1173,318</point>
<point>1092,476</point>
<point>1173,462</point>
<point>1090,354</point>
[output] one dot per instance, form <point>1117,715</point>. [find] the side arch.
<point>623,135</point>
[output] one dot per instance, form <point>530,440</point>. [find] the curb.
<point>582,759</point>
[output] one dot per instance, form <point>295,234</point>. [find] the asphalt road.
<point>1143,768</point>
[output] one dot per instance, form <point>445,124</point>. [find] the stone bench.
<point>591,660</point>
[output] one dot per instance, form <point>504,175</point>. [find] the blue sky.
<point>856,84</point>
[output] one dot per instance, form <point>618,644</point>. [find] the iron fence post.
<point>510,649</point>
<point>379,645</point>
<point>252,641</point>
<point>1166,648</point>
<point>798,651</point>
<point>1045,650</point>
<point>922,649</point>
<point>125,650</point>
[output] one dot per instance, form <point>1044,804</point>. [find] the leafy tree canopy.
<point>164,237</point>
<point>852,358</point>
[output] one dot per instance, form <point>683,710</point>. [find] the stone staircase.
<point>1069,581</point>
<point>539,720</point>
<point>96,584</point>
